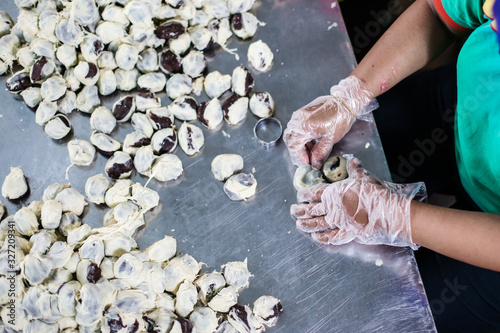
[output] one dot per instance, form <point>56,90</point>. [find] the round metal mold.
<point>268,131</point>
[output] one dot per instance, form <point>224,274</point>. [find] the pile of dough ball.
<point>71,278</point>
<point>334,169</point>
<point>73,53</point>
<point>237,186</point>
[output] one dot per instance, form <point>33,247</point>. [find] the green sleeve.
<point>466,13</point>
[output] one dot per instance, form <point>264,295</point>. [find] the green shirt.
<point>477,120</point>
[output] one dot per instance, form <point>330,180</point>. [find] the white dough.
<point>216,84</point>
<point>14,185</point>
<point>96,187</point>
<point>240,186</point>
<point>81,152</point>
<point>191,138</point>
<point>260,56</point>
<point>167,167</point>
<point>210,113</point>
<point>226,165</point>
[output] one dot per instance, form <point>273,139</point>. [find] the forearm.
<point>413,40</point>
<point>472,237</point>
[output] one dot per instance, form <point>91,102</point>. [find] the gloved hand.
<point>315,128</point>
<point>359,208</point>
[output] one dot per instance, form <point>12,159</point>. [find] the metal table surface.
<point>322,289</point>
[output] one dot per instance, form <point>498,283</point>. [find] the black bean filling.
<point>229,102</point>
<point>240,313</point>
<point>211,291</point>
<point>249,82</point>
<point>191,102</point>
<point>134,328</point>
<point>276,311</point>
<point>150,325</point>
<point>201,112</point>
<point>264,98</point>
<point>142,142</point>
<point>215,25</point>
<point>98,47</point>
<point>186,325</point>
<point>237,21</point>
<point>18,82</point>
<point>64,120</point>
<point>37,69</point>
<point>170,62</point>
<point>104,152</point>
<point>117,169</point>
<point>115,325</point>
<point>168,144</point>
<point>161,122</point>
<point>92,71</point>
<point>93,273</point>
<point>190,138</point>
<point>147,94</point>
<point>178,5</point>
<point>123,107</point>
<point>336,164</point>
<point>170,30</point>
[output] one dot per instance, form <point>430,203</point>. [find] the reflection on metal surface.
<point>338,289</point>
<point>268,131</point>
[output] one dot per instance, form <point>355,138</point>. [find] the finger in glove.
<point>333,237</point>
<point>314,224</point>
<point>296,143</point>
<point>321,150</point>
<point>306,211</point>
<point>311,194</point>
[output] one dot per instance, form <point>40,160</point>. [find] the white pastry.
<point>210,113</point>
<point>260,56</point>
<point>167,167</point>
<point>191,138</point>
<point>216,84</point>
<point>240,186</point>
<point>96,187</point>
<point>225,165</point>
<point>184,108</point>
<point>262,104</point>
<point>81,152</point>
<point>14,185</point>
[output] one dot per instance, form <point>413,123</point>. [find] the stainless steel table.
<point>338,289</point>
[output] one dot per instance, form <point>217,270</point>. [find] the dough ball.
<point>14,186</point>
<point>210,113</point>
<point>335,168</point>
<point>262,104</point>
<point>306,176</point>
<point>260,56</point>
<point>191,138</point>
<point>240,186</point>
<point>226,165</point>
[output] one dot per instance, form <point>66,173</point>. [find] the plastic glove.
<point>359,208</point>
<point>315,128</point>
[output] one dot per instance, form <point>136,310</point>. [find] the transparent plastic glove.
<point>359,208</point>
<point>315,128</point>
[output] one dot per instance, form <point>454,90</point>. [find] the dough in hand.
<point>306,176</point>
<point>335,168</point>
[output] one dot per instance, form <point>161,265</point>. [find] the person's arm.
<point>471,237</point>
<point>416,38</point>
